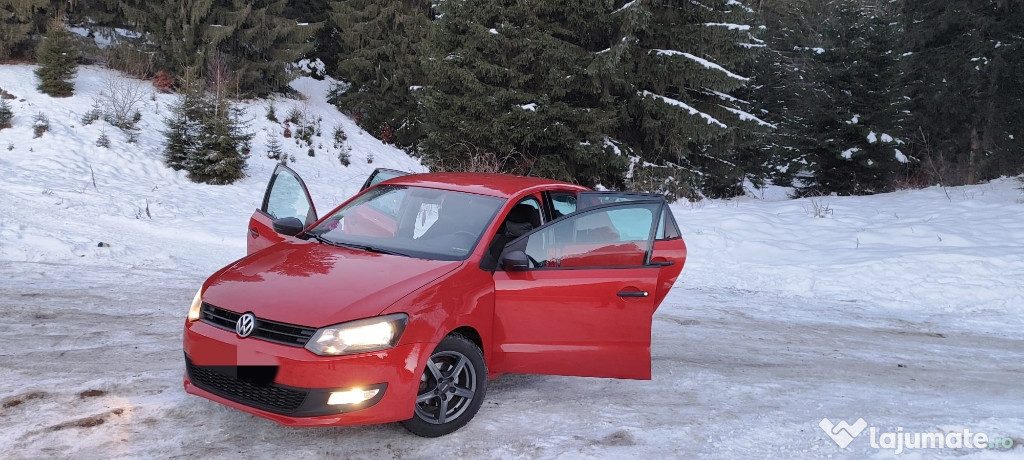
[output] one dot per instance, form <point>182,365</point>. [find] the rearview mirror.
<point>515,261</point>
<point>290,226</point>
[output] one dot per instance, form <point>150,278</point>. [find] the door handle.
<point>253,232</point>
<point>632,294</point>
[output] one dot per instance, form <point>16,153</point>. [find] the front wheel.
<point>451,388</point>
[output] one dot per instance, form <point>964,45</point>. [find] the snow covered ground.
<point>904,309</point>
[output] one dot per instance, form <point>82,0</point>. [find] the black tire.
<point>452,388</point>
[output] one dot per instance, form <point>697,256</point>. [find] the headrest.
<point>517,229</point>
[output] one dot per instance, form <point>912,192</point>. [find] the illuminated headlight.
<point>197,306</point>
<point>371,334</point>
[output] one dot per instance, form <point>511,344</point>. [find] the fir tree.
<point>671,66</point>
<point>274,148</point>
<point>964,74</point>
<point>58,61</point>
<point>251,39</point>
<point>327,39</point>
<point>508,84</point>
<point>219,160</point>
<point>382,51</point>
<point>6,113</point>
<point>16,23</point>
<point>182,137</point>
<point>855,116</point>
<point>260,43</point>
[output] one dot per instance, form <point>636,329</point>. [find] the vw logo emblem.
<point>245,325</point>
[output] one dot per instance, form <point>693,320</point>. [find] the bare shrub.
<point>124,99</point>
<point>819,208</point>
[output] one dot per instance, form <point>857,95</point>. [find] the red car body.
<point>586,312</point>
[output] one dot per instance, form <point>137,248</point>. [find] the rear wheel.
<point>451,390</point>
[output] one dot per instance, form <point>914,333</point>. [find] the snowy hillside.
<point>69,194</point>
<point>904,309</point>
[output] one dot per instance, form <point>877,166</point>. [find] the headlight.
<point>371,334</point>
<point>197,305</point>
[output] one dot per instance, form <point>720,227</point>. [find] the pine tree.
<point>171,32</point>
<point>219,160</point>
<point>182,137</point>
<point>251,39</point>
<point>509,88</point>
<point>855,118</point>
<point>964,83</point>
<point>6,113</point>
<point>58,61</point>
<point>327,39</point>
<point>16,23</point>
<point>274,148</point>
<point>382,45</point>
<point>667,69</point>
<point>259,42</point>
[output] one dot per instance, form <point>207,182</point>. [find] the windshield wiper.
<point>361,247</point>
<point>368,248</point>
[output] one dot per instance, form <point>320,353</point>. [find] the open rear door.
<point>380,175</point>
<point>286,196</point>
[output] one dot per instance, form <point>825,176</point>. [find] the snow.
<point>703,62</point>
<point>872,137</point>
<point>728,26</point>
<point>532,107</point>
<point>493,31</point>
<point>623,7</point>
<point>900,157</point>
<point>711,120</point>
<point>744,116</point>
<point>904,309</point>
<point>816,50</point>
<point>848,153</point>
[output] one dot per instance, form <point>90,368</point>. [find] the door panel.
<point>585,305</point>
<point>670,254</point>
<point>286,196</point>
<point>574,322</point>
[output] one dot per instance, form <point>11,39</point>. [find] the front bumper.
<point>291,385</point>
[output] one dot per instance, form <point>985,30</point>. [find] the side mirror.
<point>515,261</point>
<point>290,226</point>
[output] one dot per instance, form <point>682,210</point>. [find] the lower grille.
<point>271,397</point>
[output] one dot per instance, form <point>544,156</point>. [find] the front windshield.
<point>411,221</point>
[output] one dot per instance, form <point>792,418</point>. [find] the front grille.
<point>271,397</point>
<point>283,333</point>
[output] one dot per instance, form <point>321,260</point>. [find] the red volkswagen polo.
<point>401,303</point>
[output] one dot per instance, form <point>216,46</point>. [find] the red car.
<point>401,303</point>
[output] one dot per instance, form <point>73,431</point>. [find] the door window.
<point>605,236</point>
<point>562,204</point>
<point>287,197</point>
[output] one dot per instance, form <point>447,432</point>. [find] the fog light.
<point>353,396</point>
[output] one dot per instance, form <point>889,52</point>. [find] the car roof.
<point>498,185</point>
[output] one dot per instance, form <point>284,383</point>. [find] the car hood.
<point>315,285</point>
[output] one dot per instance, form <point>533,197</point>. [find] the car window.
<point>413,221</point>
<point>616,236</point>
<point>562,204</point>
<point>287,198</point>
<point>667,228</point>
